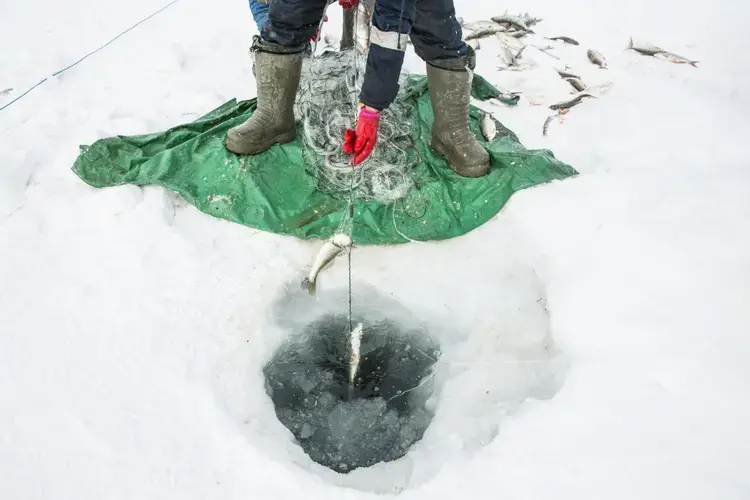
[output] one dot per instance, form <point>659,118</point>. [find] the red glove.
<point>361,143</point>
<point>347,4</point>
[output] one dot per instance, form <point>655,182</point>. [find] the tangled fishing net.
<point>327,105</point>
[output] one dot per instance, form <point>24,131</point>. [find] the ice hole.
<point>346,426</point>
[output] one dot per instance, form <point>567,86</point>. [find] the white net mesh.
<point>326,105</point>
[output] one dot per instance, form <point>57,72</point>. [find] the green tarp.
<point>273,191</point>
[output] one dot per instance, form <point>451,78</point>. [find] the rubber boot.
<point>277,75</point>
<point>449,94</point>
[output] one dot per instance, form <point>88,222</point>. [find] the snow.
<point>134,328</point>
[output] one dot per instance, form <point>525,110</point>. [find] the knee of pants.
<point>439,39</point>
<point>389,16</point>
<point>291,23</point>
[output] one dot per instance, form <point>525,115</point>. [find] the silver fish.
<point>479,25</point>
<point>483,33</point>
<point>488,127</point>
<point>519,33</point>
<point>330,250</point>
<point>569,103</point>
<point>546,51</point>
<point>646,50</point>
<point>576,83</point>
<point>509,20</point>
<point>6,91</point>
<point>546,124</point>
<point>564,74</point>
<point>674,58</point>
<point>511,56</point>
<point>529,20</point>
<point>565,39</point>
<point>596,58</point>
<point>355,342</point>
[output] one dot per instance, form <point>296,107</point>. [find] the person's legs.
<point>437,39</point>
<point>292,23</point>
<point>436,34</point>
<point>278,54</point>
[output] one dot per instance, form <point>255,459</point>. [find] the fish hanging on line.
<point>355,342</point>
<point>330,250</point>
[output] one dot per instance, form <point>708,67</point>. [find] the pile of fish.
<point>512,30</point>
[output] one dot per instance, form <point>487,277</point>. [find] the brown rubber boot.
<point>449,94</point>
<point>277,75</point>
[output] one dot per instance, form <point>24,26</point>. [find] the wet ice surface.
<point>375,420</point>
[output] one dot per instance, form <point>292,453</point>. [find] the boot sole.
<point>243,148</point>
<point>473,171</point>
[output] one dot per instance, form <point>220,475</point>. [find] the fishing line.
<point>66,68</point>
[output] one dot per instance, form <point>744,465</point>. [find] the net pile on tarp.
<point>326,107</point>
<point>405,192</point>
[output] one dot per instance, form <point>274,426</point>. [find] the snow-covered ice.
<point>134,329</point>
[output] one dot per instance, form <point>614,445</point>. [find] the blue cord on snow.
<point>20,96</point>
<point>66,68</point>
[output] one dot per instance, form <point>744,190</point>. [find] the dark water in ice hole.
<point>380,417</point>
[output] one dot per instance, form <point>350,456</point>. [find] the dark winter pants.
<point>431,25</point>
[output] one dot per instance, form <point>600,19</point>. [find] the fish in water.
<point>646,50</point>
<point>674,58</point>
<point>565,39</point>
<point>576,83</point>
<point>596,58</point>
<point>488,127</point>
<point>6,91</point>
<point>483,33</point>
<point>330,250</point>
<point>355,342</point>
<point>564,74</point>
<point>513,21</point>
<point>567,104</point>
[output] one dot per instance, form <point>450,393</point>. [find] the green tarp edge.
<point>273,191</point>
